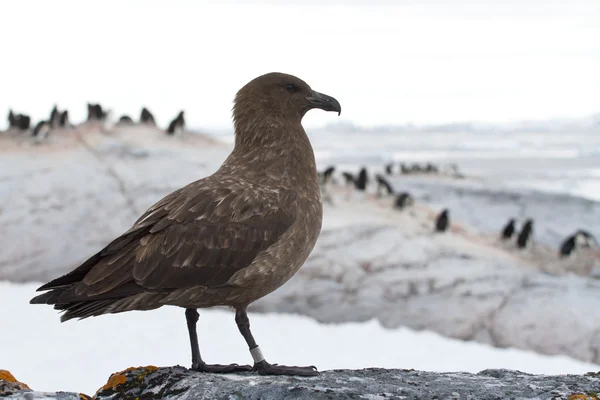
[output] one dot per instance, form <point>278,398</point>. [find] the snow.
<point>80,355</point>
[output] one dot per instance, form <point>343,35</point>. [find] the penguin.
<point>442,221</point>
<point>125,120</point>
<point>23,122</point>
<point>91,112</point>
<point>18,121</point>
<point>579,239</point>
<point>12,119</point>
<point>567,247</point>
<point>389,168</point>
<point>526,234</point>
<point>383,186</point>
<point>361,182</point>
<point>403,200</point>
<point>54,117</point>
<point>176,126</point>
<point>41,130</point>
<point>95,112</point>
<point>348,178</point>
<point>415,168</point>
<point>404,169</point>
<point>99,112</point>
<point>63,120</point>
<point>326,175</point>
<point>146,117</point>
<point>509,229</point>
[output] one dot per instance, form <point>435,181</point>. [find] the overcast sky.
<point>386,62</point>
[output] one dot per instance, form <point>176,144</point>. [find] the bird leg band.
<point>257,355</point>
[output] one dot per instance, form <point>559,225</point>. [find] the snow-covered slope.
<point>62,200</point>
<point>48,355</point>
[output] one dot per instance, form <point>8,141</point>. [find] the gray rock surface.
<point>11,389</point>
<point>403,275</point>
<point>369,384</point>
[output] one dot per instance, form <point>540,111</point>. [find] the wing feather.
<point>200,235</point>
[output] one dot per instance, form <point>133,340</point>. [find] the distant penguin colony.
<point>177,125</point>
<point>383,186</point>
<point>60,119</point>
<point>414,168</point>
<point>509,229</point>
<point>146,117</point>
<point>442,221</point>
<point>526,235</point>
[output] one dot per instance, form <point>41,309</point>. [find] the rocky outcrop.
<point>448,283</point>
<point>373,384</point>
<point>11,388</point>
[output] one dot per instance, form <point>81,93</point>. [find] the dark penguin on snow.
<point>383,186</point>
<point>578,240</point>
<point>389,168</point>
<point>23,122</point>
<point>12,119</point>
<point>362,180</point>
<point>41,130</point>
<point>63,121</point>
<point>125,120</point>
<point>95,112</point>
<point>177,125</point>
<point>224,240</point>
<point>526,234</point>
<point>54,117</point>
<point>349,179</point>
<point>403,200</point>
<point>442,221</point>
<point>509,229</point>
<point>326,175</point>
<point>146,117</point>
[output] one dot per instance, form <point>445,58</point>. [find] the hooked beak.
<point>324,102</point>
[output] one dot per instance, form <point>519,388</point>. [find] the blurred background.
<point>461,183</point>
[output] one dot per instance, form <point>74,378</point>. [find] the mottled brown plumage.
<point>227,239</point>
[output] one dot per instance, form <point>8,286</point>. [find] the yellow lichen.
<point>582,397</point>
<point>8,377</point>
<point>120,378</point>
<point>84,397</point>
<point>114,381</point>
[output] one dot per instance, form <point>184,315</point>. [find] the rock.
<point>448,283</point>
<point>11,388</point>
<point>373,383</point>
<point>69,185</point>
